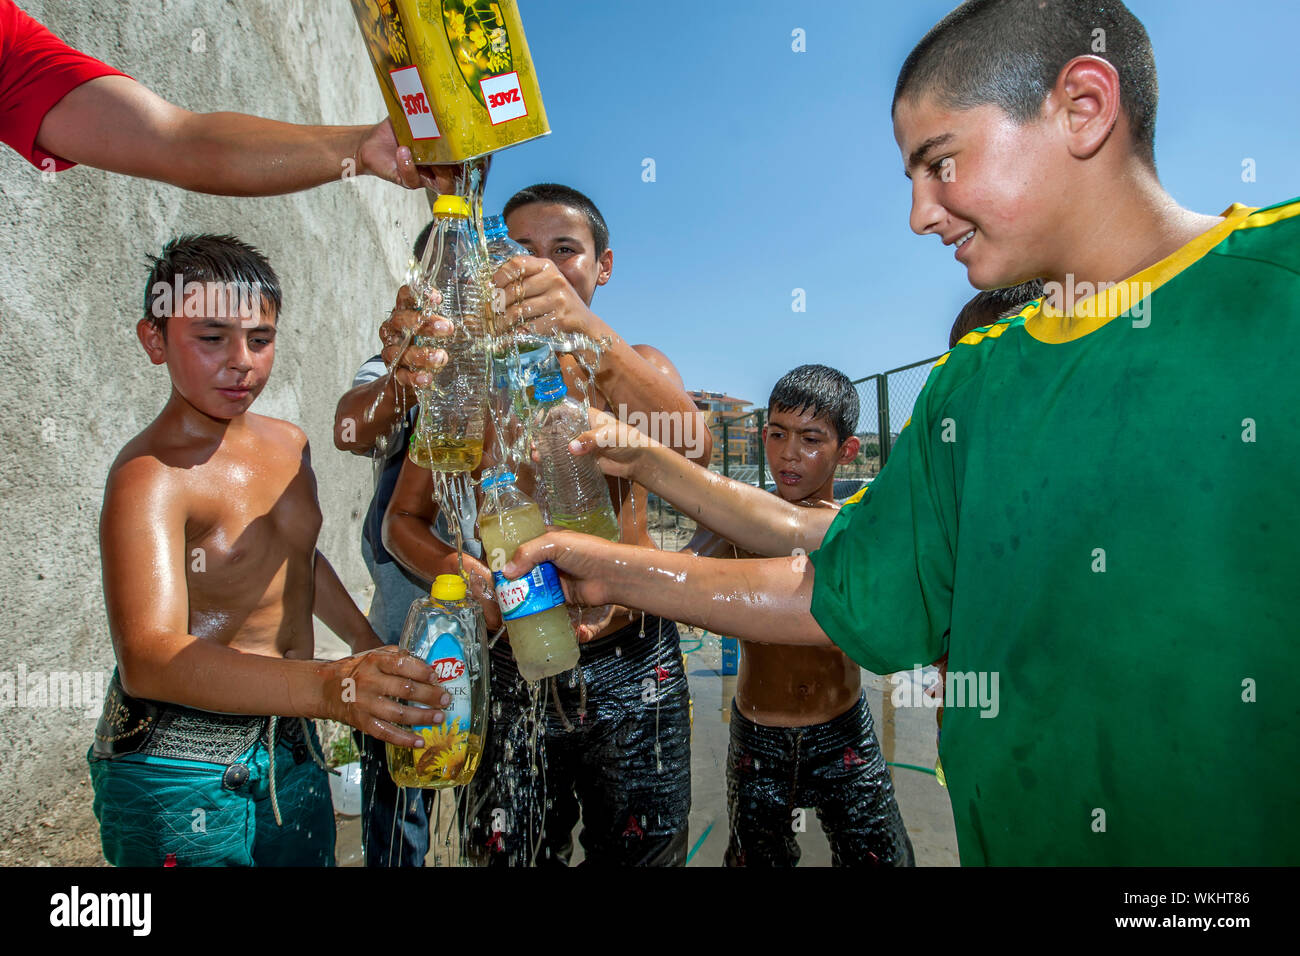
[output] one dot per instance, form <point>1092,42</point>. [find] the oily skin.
<point>778,685</point>
<point>208,539</point>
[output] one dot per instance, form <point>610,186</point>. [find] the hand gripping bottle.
<point>446,631</point>
<point>448,435</point>
<point>541,635</point>
<point>576,494</point>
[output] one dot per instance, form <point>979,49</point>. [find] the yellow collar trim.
<point>1094,311</point>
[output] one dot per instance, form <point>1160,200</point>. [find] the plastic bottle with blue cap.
<point>541,634</point>
<point>577,496</point>
<point>513,372</point>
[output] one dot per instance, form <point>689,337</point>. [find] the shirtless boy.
<point>211,578</point>
<point>801,731</point>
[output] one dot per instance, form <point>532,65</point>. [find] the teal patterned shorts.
<point>159,811</point>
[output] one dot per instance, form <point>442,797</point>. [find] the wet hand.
<point>364,691</point>
<point>618,447</point>
<point>415,364</point>
<point>588,622</point>
<point>584,559</point>
<point>534,295</point>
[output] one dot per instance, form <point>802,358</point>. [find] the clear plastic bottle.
<point>513,371</point>
<point>515,378</point>
<point>448,435</point>
<point>499,244</point>
<point>541,635</point>
<point>446,630</point>
<point>577,496</point>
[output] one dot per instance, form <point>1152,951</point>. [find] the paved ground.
<point>906,734</point>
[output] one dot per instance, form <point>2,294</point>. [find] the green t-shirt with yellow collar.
<point>1097,516</point>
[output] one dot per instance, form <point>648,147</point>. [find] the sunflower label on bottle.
<point>445,744</point>
<point>445,631</point>
<point>467,62</point>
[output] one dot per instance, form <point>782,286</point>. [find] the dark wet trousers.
<point>615,750</point>
<point>773,773</point>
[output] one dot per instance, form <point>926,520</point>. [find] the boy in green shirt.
<point>1074,515</point>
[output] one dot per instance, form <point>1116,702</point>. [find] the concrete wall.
<point>76,385</point>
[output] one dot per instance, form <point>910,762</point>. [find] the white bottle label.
<point>415,103</point>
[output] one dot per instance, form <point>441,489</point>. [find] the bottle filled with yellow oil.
<point>541,634</point>
<point>446,631</point>
<point>448,435</point>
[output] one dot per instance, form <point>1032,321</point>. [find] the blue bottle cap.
<point>550,389</point>
<point>494,227</point>
<point>500,478</point>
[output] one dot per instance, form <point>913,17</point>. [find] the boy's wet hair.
<point>1009,53</point>
<point>824,391</point>
<point>208,258</point>
<point>987,307</point>
<point>564,196</point>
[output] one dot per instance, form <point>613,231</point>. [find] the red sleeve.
<point>37,69</point>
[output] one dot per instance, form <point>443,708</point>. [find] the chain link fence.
<point>885,405</point>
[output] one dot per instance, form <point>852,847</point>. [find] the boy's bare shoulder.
<point>278,431</point>
<point>147,468</point>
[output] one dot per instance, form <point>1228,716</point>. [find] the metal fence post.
<point>762,453</point>
<point>882,416</point>
<point>726,450</point>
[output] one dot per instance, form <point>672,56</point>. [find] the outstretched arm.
<point>741,513</point>
<point>117,124</point>
<point>765,600</point>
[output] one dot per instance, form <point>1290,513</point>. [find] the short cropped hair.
<point>825,391</point>
<point>1009,53</point>
<point>206,258</point>
<point>987,307</point>
<point>568,197</point>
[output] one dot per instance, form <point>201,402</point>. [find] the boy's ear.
<point>151,337</point>
<point>1087,101</point>
<point>848,450</point>
<point>606,267</point>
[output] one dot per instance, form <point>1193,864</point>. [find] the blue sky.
<point>777,170</point>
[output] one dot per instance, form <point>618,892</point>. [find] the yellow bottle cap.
<point>451,206</point>
<point>448,587</point>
